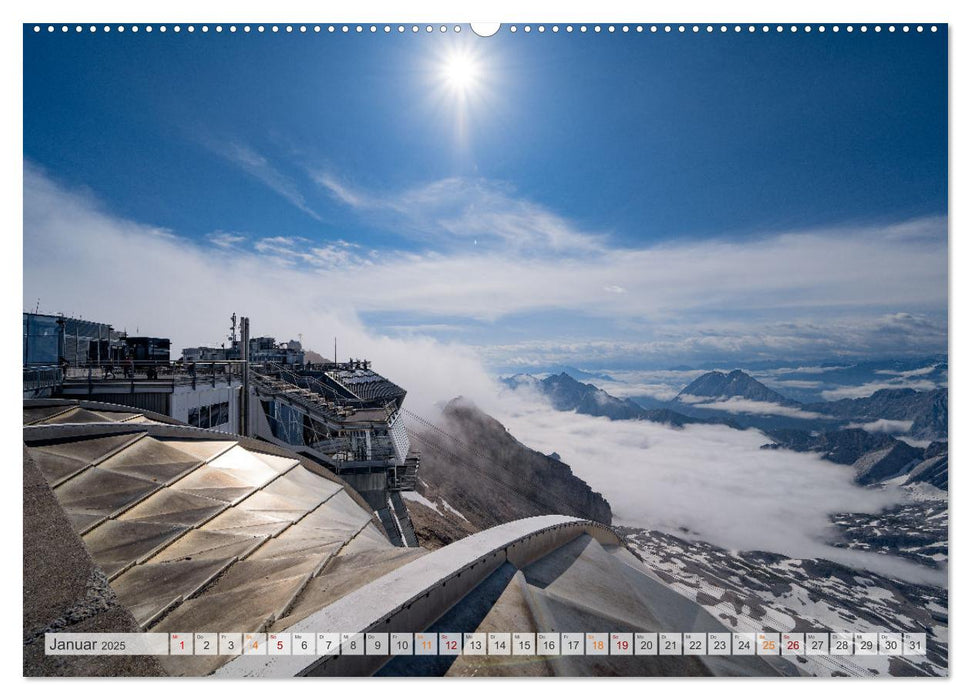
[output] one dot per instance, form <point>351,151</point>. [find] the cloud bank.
<point>711,480</point>
<point>884,425</point>
<point>737,404</point>
<point>539,259</point>
<point>476,252</point>
<point>787,295</point>
<point>863,390</point>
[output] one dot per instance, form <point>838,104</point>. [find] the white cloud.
<point>293,250</point>
<point>801,286</point>
<point>421,328</point>
<point>341,190</point>
<point>661,392</point>
<point>280,246</point>
<point>922,444</point>
<point>815,369</point>
<point>257,166</point>
<point>864,390</point>
<point>458,209</point>
<point>225,239</point>
<point>884,425</point>
<point>908,373</point>
<point>821,333</point>
<point>710,479</point>
<point>795,383</point>
<point>488,253</point>
<point>737,404</point>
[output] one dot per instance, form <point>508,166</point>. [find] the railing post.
<point>244,355</point>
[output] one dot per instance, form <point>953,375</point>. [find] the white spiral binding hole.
<point>488,29</point>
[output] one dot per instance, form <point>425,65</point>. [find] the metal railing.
<point>309,400</point>
<point>213,372</point>
<point>308,382</point>
<point>37,379</point>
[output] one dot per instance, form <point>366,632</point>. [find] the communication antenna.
<point>37,306</point>
<point>335,349</point>
<point>232,328</point>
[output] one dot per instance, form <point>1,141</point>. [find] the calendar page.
<point>415,347</point>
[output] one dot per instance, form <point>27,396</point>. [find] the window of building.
<point>209,416</point>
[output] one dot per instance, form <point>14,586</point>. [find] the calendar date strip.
<point>488,644</point>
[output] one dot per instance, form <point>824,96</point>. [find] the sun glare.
<point>460,71</point>
<point>461,85</point>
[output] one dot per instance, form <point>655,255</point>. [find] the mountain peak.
<point>718,385</point>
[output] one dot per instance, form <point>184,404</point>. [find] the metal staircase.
<point>390,524</point>
<point>404,519</point>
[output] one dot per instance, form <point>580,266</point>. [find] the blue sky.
<point>600,199</point>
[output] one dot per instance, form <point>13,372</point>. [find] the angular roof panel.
<point>196,531</point>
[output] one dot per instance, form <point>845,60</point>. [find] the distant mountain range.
<point>926,409</point>
<point>567,394</point>
<point>834,429</point>
<point>579,374</point>
<point>876,457</point>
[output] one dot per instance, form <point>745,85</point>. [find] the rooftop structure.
<point>206,395</point>
<point>59,340</point>
<point>344,416</point>
<point>149,350</point>
<point>55,340</point>
<point>263,349</point>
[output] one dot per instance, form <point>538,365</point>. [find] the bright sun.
<point>461,80</point>
<point>460,72</point>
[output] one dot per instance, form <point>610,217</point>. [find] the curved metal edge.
<point>413,597</point>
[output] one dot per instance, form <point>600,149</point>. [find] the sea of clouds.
<point>709,482</point>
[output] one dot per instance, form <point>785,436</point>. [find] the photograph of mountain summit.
<point>462,350</point>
